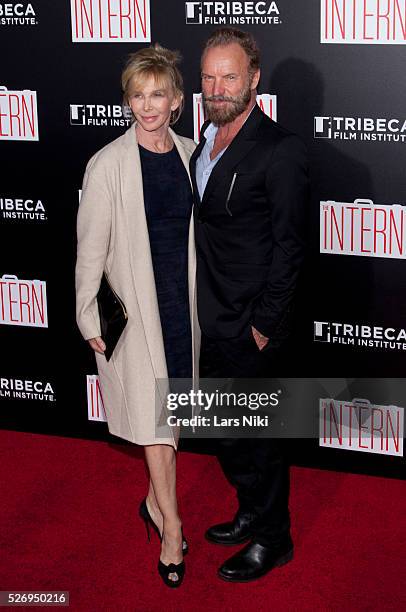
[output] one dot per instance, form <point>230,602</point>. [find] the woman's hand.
<point>97,345</point>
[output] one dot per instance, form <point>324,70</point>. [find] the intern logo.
<point>18,115</point>
<point>110,21</point>
<point>23,302</point>
<point>364,22</point>
<point>363,228</point>
<point>95,406</point>
<point>361,426</point>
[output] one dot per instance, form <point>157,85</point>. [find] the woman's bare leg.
<point>153,508</point>
<point>161,460</point>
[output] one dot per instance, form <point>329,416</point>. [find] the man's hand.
<point>97,345</point>
<point>261,340</point>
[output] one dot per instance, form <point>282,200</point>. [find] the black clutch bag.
<point>113,316</point>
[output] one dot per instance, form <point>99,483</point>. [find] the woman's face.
<point>152,104</point>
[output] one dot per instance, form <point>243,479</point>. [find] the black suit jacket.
<point>250,231</point>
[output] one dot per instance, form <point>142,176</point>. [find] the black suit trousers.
<point>256,467</point>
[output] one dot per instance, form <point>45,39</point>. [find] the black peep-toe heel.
<point>146,517</point>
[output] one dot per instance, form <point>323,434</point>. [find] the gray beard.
<point>222,116</point>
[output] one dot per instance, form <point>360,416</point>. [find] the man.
<point>250,184</point>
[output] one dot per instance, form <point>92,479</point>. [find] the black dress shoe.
<point>234,532</point>
<point>254,561</point>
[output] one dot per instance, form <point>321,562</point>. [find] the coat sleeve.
<point>93,236</point>
<point>287,187</point>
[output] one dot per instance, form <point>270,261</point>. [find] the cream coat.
<point>113,236</point>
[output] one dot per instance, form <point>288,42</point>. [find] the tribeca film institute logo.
<point>18,13</point>
<point>232,13</point>
<point>360,128</point>
<point>23,302</point>
<point>363,228</point>
<point>18,115</point>
<point>266,102</point>
<point>361,426</point>
<point>100,115</point>
<point>15,388</point>
<point>110,21</point>
<point>22,209</point>
<point>360,335</point>
<point>95,406</point>
<point>367,22</point>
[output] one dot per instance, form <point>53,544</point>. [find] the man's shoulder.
<point>276,137</point>
<point>275,132</point>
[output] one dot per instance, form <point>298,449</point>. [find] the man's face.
<point>226,84</point>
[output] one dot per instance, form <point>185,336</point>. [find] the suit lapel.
<point>193,160</point>
<point>236,151</point>
<point>242,144</point>
<point>239,147</point>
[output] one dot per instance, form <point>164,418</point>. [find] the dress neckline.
<point>155,153</point>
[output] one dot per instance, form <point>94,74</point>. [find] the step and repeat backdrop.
<point>333,72</point>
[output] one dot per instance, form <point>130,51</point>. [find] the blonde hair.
<point>160,63</point>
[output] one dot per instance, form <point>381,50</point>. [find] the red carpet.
<point>69,522</point>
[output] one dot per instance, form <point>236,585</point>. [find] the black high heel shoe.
<point>172,568</point>
<point>146,517</point>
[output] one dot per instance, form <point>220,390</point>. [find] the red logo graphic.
<point>95,406</point>
<point>362,228</point>
<point>23,302</point>
<point>368,22</point>
<point>110,21</point>
<point>18,115</point>
<point>361,426</point>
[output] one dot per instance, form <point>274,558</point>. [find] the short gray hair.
<point>227,36</point>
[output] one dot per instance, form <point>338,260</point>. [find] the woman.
<point>134,223</point>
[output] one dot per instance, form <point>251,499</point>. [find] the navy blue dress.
<point>168,207</point>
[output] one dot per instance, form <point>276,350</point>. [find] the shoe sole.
<point>233,543</point>
<point>281,561</point>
